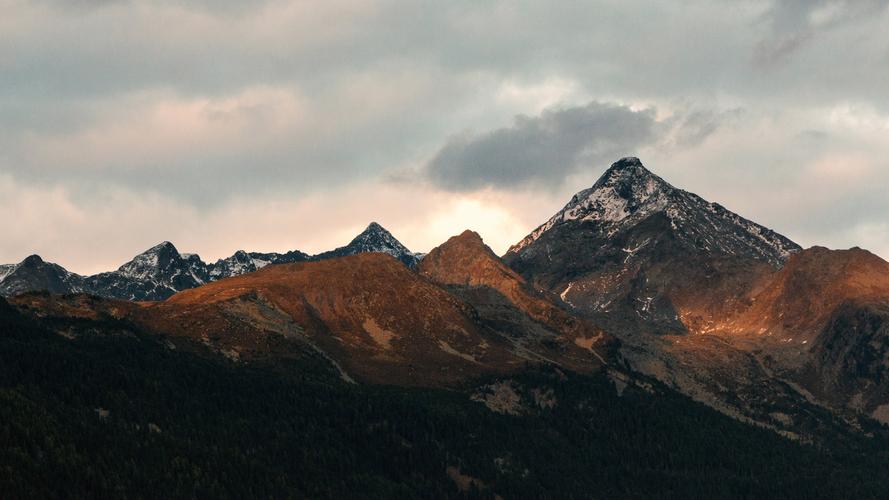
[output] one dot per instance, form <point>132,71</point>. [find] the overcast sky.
<point>291,125</point>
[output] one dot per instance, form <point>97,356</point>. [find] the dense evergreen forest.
<point>106,411</point>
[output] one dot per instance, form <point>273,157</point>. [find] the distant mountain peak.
<point>240,262</point>
<point>241,255</point>
<point>376,234</point>
<point>33,273</point>
<point>468,243</point>
<point>374,238</point>
<point>151,262</point>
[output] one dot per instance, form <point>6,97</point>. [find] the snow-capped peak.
<point>377,239</point>
<point>239,263</point>
<point>626,190</point>
<point>628,193</point>
<point>151,262</point>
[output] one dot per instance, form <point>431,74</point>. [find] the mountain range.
<point>161,271</point>
<point>643,284</point>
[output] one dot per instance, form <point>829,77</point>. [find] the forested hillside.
<point>108,411</point>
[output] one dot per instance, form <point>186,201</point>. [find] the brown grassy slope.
<point>814,283</point>
<point>500,295</point>
<point>379,320</point>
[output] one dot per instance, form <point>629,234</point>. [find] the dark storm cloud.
<point>542,150</point>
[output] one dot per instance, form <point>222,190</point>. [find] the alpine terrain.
<point>725,310</point>
<point>161,271</point>
<point>642,342</point>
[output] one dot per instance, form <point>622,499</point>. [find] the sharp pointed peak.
<point>374,238</point>
<point>625,189</point>
<point>148,262</point>
<point>374,232</point>
<point>374,227</point>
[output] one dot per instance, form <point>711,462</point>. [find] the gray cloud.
<point>795,23</point>
<point>690,128</point>
<point>544,149</point>
<point>208,103</point>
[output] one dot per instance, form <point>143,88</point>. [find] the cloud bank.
<point>278,124</point>
<point>542,150</point>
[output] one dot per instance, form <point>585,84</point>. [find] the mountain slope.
<point>652,264</point>
<point>503,299</point>
<point>635,245</point>
<point>83,400</point>
<point>824,321</point>
<point>376,319</point>
<point>781,335</point>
